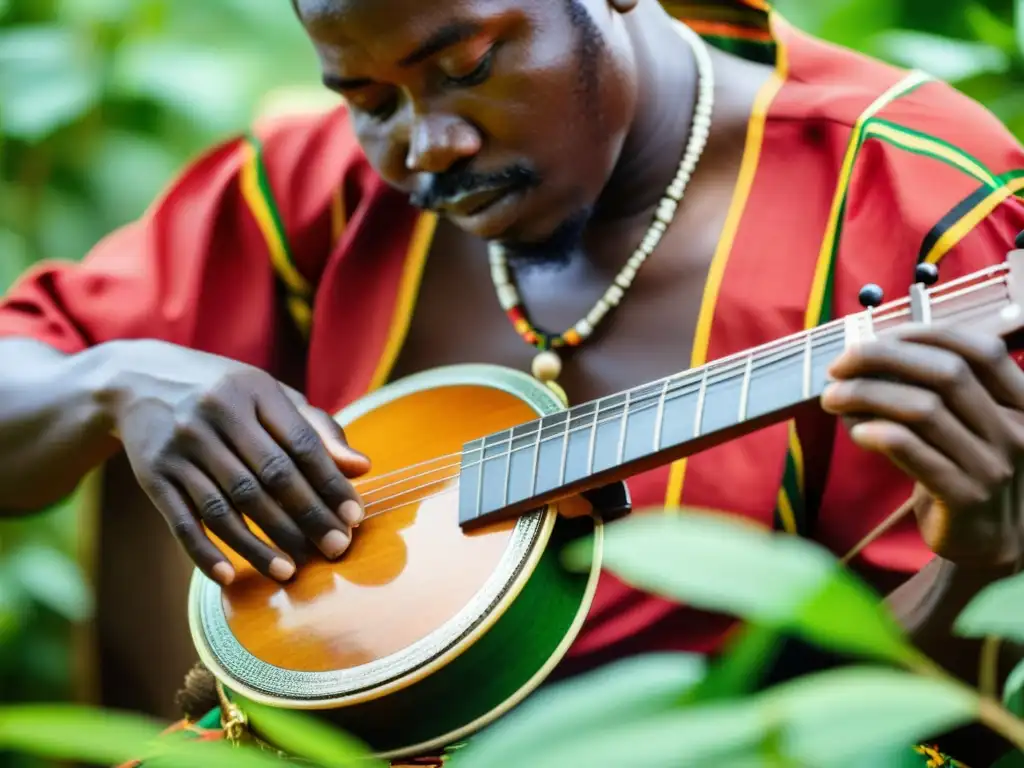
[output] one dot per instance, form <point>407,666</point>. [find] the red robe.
<point>853,172</point>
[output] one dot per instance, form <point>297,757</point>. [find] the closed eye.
<point>480,73</point>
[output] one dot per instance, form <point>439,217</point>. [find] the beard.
<point>554,253</point>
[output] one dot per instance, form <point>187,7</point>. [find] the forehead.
<point>366,33</point>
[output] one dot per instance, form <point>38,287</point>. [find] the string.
<point>593,422</point>
<point>825,331</point>
<point>681,388</point>
<point>713,373</point>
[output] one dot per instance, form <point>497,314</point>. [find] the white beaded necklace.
<point>547,365</point>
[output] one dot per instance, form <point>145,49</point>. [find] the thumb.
<point>352,462</point>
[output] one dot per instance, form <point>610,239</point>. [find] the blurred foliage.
<point>102,101</point>
<point>663,710</point>
<point>972,44</point>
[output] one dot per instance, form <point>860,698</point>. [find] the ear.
<point>624,6</point>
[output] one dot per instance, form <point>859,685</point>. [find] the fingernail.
<point>281,569</point>
<point>334,544</point>
<point>342,450</point>
<point>351,512</point>
<point>223,573</point>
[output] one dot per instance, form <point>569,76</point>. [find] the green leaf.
<point>829,718</point>
<point>53,580</point>
<point>48,79</point>
<point>13,258</point>
<point>303,736</point>
<point>206,86</point>
<point>989,28</point>
<point>126,173</point>
<point>1011,760</point>
<point>63,732</point>
<point>740,668</point>
<point>12,608</point>
<point>902,756</point>
<point>1013,691</point>
<point>941,57</point>
<point>75,733</point>
<point>654,740</point>
<point>635,688</point>
<point>825,721</point>
<point>998,610</point>
<point>1018,23</point>
<point>95,11</point>
<point>719,563</point>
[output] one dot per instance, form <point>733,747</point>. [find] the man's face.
<point>507,116</point>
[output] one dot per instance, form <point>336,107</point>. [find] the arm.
<point>165,337</point>
<point>937,416</point>
<point>53,426</point>
<point>928,604</point>
<point>153,278</point>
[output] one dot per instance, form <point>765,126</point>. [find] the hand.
<point>947,407</point>
<point>212,440</point>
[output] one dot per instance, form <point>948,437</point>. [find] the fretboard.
<point>585,446</point>
<point>618,433</point>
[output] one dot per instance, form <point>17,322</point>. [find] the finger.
<point>187,530</point>
<point>920,461</point>
<point>351,462</point>
<point>245,494</point>
<point>987,355</point>
<point>924,412</point>
<point>304,444</point>
<point>934,369</point>
<point>215,510</point>
<point>279,476</point>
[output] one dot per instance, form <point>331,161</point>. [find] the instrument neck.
<point>605,440</point>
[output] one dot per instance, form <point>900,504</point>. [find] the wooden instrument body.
<point>422,633</point>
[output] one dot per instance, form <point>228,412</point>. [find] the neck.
<point>607,440</point>
<point>657,138</point>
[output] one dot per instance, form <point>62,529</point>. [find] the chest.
<point>458,318</point>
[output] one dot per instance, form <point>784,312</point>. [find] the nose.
<point>437,142</point>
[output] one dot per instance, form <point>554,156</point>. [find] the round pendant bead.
<point>547,366</point>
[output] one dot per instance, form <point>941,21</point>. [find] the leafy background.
<point>102,101</point>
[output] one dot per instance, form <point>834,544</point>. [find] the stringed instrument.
<point>451,606</point>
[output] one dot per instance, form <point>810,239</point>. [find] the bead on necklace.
<point>547,364</point>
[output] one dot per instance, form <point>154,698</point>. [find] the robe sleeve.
<point>198,268</point>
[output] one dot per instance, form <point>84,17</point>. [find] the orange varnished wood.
<point>408,570</point>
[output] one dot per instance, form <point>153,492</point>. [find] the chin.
<point>546,223</point>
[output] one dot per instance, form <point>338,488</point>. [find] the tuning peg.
<point>926,273</point>
<point>1019,240</point>
<point>870,295</point>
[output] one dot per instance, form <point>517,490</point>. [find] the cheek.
<point>591,124</point>
<point>384,154</point>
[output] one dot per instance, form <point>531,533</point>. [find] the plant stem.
<point>991,713</point>
<point>1000,720</point>
<point>922,664</point>
<point>988,667</point>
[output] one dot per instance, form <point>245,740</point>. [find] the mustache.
<point>442,187</point>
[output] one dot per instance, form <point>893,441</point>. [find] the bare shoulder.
<point>738,81</point>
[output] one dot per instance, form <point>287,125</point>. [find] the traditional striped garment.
<point>853,172</point>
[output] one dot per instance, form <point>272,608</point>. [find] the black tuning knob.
<point>926,273</point>
<point>870,295</point>
<point>1019,240</point>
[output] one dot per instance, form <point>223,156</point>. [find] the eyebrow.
<point>444,38</point>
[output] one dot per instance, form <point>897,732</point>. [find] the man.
<point>555,131</point>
